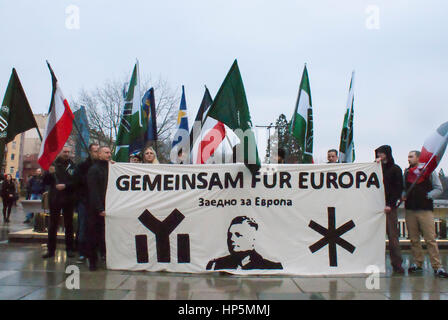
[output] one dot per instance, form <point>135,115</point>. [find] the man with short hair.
<point>241,245</point>
<point>60,178</point>
<point>82,199</point>
<point>332,156</point>
<point>393,186</point>
<point>420,218</point>
<point>97,184</point>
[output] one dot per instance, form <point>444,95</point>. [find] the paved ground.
<point>25,275</point>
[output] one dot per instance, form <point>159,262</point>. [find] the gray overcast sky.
<point>401,68</point>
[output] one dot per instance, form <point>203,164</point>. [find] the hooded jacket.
<point>392,177</point>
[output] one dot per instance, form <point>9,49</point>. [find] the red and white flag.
<point>58,128</point>
<point>215,144</point>
<point>431,154</point>
<point>211,141</point>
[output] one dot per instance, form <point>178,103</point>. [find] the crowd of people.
<point>419,215</point>
<point>419,207</point>
<point>82,187</point>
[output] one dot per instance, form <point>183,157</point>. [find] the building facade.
<point>22,153</point>
<point>12,163</point>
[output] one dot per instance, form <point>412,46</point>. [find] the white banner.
<point>288,219</point>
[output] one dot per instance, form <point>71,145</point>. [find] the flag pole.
<point>230,145</point>
<point>415,182</point>
<point>293,121</point>
<point>349,114</point>
<point>38,132</point>
<point>139,94</point>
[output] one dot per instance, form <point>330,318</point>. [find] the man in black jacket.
<point>81,172</point>
<point>35,188</point>
<point>393,186</point>
<point>60,178</point>
<point>97,185</point>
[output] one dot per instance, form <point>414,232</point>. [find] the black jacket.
<point>97,185</point>
<point>81,172</point>
<point>417,198</point>
<point>8,189</point>
<point>392,177</point>
<point>64,175</point>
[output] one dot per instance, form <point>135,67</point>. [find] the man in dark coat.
<point>35,188</point>
<point>97,185</point>
<point>81,172</point>
<point>8,191</point>
<point>60,178</point>
<point>241,244</point>
<point>393,186</point>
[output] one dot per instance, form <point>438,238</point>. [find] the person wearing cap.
<point>135,158</point>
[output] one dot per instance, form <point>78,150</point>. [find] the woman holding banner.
<point>149,155</point>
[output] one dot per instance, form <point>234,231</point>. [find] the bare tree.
<point>104,106</point>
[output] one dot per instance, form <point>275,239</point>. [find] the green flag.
<point>15,113</point>
<point>231,108</point>
<point>347,146</point>
<point>132,125</point>
<point>302,120</point>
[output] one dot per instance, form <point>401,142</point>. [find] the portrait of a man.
<point>241,237</point>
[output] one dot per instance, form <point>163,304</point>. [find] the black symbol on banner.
<point>332,236</point>
<point>162,231</point>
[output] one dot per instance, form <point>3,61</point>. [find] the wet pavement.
<point>25,275</point>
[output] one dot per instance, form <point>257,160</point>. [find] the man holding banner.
<point>393,185</point>
<point>81,172</point>
<point>97,184</point>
